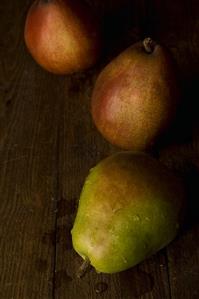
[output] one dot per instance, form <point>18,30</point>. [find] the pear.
<point>62,35</point>
<point>130,207</point>
<point>135,97</point>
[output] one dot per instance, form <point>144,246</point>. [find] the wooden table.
<point>48,143</point>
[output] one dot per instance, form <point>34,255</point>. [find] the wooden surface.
<point>48,143</point>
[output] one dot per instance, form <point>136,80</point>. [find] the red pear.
<point>135,96</point>
<point>62,35</point>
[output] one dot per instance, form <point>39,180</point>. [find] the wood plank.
<point>183,253</point>
<point>28,172</point>
<point>175,23</point>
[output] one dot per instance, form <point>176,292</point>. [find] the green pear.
<point>130,207</point>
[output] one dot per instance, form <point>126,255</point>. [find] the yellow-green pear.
<point>130,207</point>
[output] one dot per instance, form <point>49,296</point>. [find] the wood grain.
<point>28,165</point>
<point>48,143</point>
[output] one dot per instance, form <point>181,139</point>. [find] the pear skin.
<point>130,207</point>
<point>62,35</point>
<point>135,96</point>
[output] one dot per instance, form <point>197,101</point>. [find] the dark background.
<point>48,143</point>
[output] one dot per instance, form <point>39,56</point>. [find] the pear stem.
<point>83,268</point>
<point>149,45</point>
